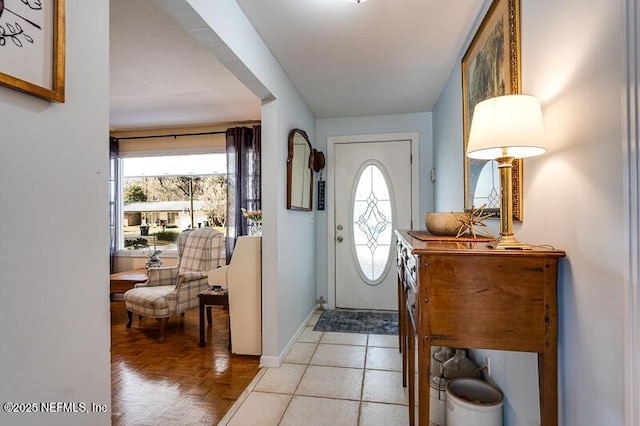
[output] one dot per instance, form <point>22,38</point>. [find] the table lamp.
<point>505,128</point>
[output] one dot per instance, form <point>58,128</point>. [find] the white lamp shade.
<point>507,126</point>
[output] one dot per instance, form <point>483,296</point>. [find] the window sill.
<point>169,254</point>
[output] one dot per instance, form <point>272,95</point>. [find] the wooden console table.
<point>465,295</point>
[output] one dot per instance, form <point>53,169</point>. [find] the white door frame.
<point>414,137</point>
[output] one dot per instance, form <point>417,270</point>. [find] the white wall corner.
<point>276,361</point>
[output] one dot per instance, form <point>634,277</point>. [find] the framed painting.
<point>32,47</point>
<point>491,67</point>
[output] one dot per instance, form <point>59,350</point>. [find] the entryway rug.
<point>365,322</point>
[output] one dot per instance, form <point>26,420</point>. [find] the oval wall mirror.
<point>299,173</point>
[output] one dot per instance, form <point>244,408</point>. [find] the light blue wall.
<point>381,124</point>
<point>54,254</point>
<point>288,237</point>
<point>573,200</point>
<point>448,190</point>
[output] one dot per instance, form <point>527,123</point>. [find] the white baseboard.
<point>276,361</point>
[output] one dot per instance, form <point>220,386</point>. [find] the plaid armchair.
<point>174,290</point>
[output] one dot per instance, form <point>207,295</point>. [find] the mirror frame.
<point>290,176</point>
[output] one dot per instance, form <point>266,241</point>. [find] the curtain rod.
<point>174,135</point>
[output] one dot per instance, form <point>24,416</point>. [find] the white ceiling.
<point>345,59</point>
<point>160,76</point>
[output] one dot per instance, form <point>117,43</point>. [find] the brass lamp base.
<point>508,242</point>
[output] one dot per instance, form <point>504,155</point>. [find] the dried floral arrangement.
<point>471,222</point>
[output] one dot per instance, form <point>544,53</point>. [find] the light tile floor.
<point>328,379</point>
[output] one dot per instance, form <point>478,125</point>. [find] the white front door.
<point>372,197</point>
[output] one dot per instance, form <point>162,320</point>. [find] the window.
<point>163,195</point>
<point>371,227</point>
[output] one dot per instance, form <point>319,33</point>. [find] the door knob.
<point>340,239</point>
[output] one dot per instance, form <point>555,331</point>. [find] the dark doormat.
<point>365,322</point>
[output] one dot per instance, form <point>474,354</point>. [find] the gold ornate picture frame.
<point>32,47</point>
<point>491,67</point>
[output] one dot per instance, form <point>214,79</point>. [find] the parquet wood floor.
<point>176,382</point>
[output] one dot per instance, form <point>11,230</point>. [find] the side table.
<point>465,295</point>
<point>125,280</point>
<point>209,298</point>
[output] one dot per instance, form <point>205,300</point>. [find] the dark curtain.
<point>243,180</point>
<point>113,196</point>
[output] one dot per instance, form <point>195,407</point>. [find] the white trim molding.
<point>332,141</point>
<point>276,361</point>
<point>631,211</point>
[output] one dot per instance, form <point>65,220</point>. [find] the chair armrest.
<point>185,294</point>
<point>162,276</point>
<point>185,277</point>
<point>193,279</point>
<point>218,276</point>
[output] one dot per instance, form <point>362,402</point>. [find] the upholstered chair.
<point>174,290</point>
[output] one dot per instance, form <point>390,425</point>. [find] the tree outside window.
<point>163,196</point>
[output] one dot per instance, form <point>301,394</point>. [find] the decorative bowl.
<point>442,223</point>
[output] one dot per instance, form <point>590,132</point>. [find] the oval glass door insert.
<point>372,224</point>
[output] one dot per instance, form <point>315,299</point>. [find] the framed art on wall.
<point>32,47</point>
<point>491,67</point>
